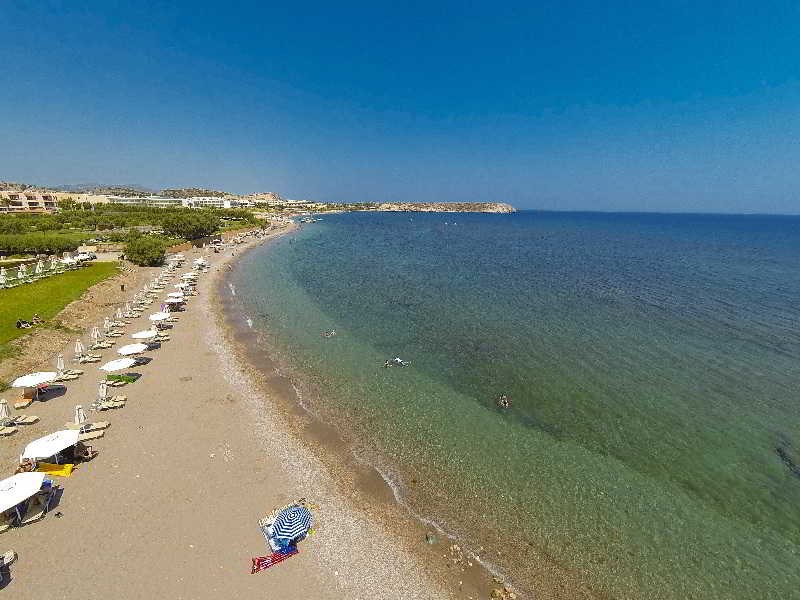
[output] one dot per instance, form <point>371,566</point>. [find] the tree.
<point>144,250</point>
<point>191,224</point>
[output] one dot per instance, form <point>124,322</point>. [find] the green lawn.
<point>47,297</point>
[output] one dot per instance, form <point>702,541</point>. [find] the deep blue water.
<point>652,362</point>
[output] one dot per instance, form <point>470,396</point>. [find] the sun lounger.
<point>63,470</point>
<point>37,506</point>
<point>6,559</point>
<point>7,519</point>
<point>73,371</point>
<point>25,419</point>
<point>88,427</point>
<point>5,431</point>
<point>109,404</point>
<point>24,403</point>
<point>91,435</point>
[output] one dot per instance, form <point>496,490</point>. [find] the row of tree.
<point>37,243</point>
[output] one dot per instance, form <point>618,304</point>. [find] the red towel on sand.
<point>265,562</point>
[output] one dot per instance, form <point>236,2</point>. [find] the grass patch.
<point>47,297</point>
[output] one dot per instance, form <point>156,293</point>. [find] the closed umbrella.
<point>79,418</point>
<point>53,263</point>
<point>3,279</point>
<point>119,314</point>
<point>96,335</point>
<point>118,364</point>
<point>132,349</point>
<point>79,349</point>
<point>291,523</point>
<point>106,323</point>
<point>21,272</point>
<point>5,413</point>
<point>34,379</point>
<point>60,363</point>
<point>127,307</point>
<point>39,267</point>
<point>3,272</point>
<point>102,390</point>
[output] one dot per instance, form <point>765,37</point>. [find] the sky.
<point>624,106</point>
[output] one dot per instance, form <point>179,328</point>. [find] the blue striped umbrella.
<point>292,522</point>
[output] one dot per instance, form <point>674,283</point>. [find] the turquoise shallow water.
<point>652,362</point>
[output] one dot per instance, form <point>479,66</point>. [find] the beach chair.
<point>73,371</point>
<point>6,431</point>
<point>37,506</point>
<point>91,435</point>
<point>25,419</point>
<point>23,404</point>
<point>88,427</point>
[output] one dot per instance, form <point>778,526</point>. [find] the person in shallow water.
<point>503,401</point>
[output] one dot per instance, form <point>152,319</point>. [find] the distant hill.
<point>265,197</point>
<point>10,186</point>
<point>190,192</point>
<point>127,189</point>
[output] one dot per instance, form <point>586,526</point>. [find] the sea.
<point>651,448</point>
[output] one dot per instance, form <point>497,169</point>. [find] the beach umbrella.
<point>147,334</point>
<point>127,307</point>
<point>3,272</point>
<point>106,323</point>
<point>51,445</point>
<point>16,489</point>
<point>5,413</point>
<point>118,365</point>
<point>174,300</point>
<point>159,316</point>
<point>119,314</point>
<point>175,295</point>
<point>132,349</point>
<point>182,286</point>
<point>34,379</point>
<point>96,335</point>
<point>21,272</point>
<point>53,263</point>
<point>79,349</point>
<point>3,280</point>
<point>102,390</point>
<point>60,363</point>
<point>292,522</point>
<point>80,415</point>
<point>39,267</point>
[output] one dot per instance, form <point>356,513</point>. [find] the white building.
<point>146,201</point>
<point>214,202</point>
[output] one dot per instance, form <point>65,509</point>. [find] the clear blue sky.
<point>685,106</point>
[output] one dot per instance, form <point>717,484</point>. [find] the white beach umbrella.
<point>118,364</point>
<point>175,295</point>
<point>79,417</point>
<point>102,390</point>
<point>18,488</point>
<point>3,272</point>
<point>182,286</point>
<point>39,267</point>
<point>96,335</point>
<point>5,413</point>
<point>119,314</point>
<point>60,363</point>
<point>53,263</point>
<point>51,444</point>
<point>79,348</point>
<point>174,300</point>
<point>34,379</point>
<point>132,349</point>
<point>127,307</point>
<point>106,323</point>
<point>3,280</point>
<point>159,316</point>
<point>21,272</point>
<point>146,334</point>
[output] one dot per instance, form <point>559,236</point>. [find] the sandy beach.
<point>170,506</point>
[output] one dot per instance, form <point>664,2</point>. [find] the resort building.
<point>155,201</point>
<point>215,202</point>
<point>28,202</point>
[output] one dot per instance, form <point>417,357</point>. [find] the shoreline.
<point>464,573</point>
<point>169,507</point>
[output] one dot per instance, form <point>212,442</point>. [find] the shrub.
<point>191,225</point>
<point>145,250</point>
